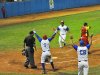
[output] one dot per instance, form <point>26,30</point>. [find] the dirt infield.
<point>64,59</point>
<point>32,17</point>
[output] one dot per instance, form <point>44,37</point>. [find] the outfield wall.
<point>38,6</point>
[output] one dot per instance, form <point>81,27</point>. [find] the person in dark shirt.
<point>3,10</point>
<point>29,45</point>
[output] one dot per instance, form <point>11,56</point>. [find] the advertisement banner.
<point>51,4</point>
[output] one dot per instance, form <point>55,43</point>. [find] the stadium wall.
<point>38,6</point>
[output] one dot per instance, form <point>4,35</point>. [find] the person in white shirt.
<point>46,54</point>
<point>82,52</point>
<point>63,31</point>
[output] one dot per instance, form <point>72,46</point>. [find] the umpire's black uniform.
<point>29,43</point>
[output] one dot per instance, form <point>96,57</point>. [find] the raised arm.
<point>90,43</point>
<point>52,36</point>
<point>73,45</point>
<point>38,37</point>
<point>71,37</point>
<point>91,39</point>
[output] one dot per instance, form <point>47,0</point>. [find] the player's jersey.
<point>45,45</point>
<point>83,31</point>
<point>63,29</point>
<point>82,53</point>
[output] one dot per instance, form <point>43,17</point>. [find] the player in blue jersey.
<point>46,54</point>
<point>63,29</point>
<point>82,52</point>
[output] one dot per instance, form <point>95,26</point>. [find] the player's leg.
<point>86,68</point>
<point>87,41</point>
<point>52,64</point>
<point>27,59</point>
<point>63,39</point>
<point>26,62</point>
<point>31,58</point>
<point>80,68</point>
<point>60,42</point>
<point>43,57</point>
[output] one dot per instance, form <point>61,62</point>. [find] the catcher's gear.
<point>48,58</point>
<point>24,52</point>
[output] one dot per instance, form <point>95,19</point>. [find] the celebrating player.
<point>46,55</point>
<point>62,36</point>
<point>82,52</point>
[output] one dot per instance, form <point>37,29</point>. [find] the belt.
<point>82,60</point>
<point>62,34</point>
<point>47,50</point>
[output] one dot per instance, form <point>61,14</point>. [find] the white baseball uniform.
<point>45,50</point>
<point>82,53</point>
<point>45,45</point>
<point>63,30</point>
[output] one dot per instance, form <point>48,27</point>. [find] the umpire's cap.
<point>81,43</point>
<point>31,32</point>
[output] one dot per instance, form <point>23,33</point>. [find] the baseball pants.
<point>83,67</point>
<point>30,58</point>
<point>62,39</point>
<point>44,55</point>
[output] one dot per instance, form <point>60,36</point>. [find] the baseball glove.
<point>24,52</point>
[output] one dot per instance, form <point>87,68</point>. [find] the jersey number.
<point>82,52</point>
<point>44,44</point>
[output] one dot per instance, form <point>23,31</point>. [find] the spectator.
<point>3,10</point>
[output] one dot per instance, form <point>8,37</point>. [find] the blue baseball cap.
<point>81,42</point>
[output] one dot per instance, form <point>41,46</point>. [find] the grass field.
<point>11,37</point>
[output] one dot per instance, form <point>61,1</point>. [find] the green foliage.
<point>11,37</point>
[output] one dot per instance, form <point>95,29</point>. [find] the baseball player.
<point>82,52</point>
<point>63,31</point>
<point>46,55</point>
<point>85,33</point>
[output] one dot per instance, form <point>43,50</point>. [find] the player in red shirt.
<point>85,33</point>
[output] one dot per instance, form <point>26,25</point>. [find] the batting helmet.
<point>81,42</point>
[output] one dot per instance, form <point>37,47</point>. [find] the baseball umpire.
<point>82,52</point>
<point>29,43</point>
